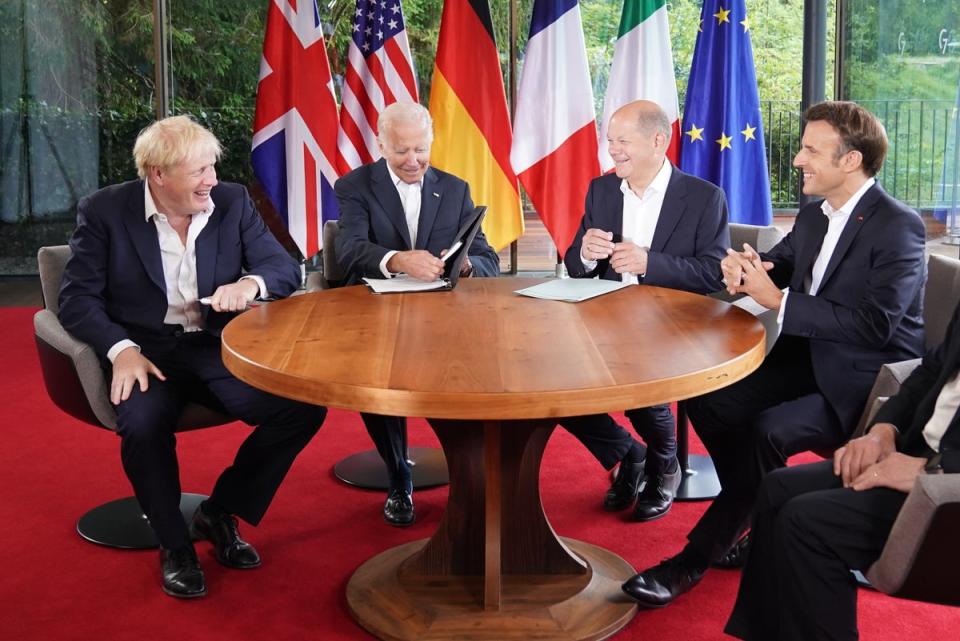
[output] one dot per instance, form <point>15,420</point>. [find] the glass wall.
<point>902,61</point>
<point>76,85</point>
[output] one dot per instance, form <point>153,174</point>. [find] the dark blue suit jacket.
<point>372,221</point>
<point>867,311</point>
<point>690,240</point>
<point>113,286</point>
<point>913,405</point>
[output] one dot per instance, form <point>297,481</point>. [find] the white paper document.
<point>404,283</point>
<point>572,290</point>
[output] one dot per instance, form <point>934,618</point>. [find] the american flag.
<point>379,72</point>
<point>295,126</point>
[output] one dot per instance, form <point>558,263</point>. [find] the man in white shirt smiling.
<point>854,268</point>
<point>144,254</point>
<point>647,223</point>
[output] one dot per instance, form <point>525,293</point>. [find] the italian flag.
<point>642,69</point>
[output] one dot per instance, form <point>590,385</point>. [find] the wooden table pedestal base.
<point>391,605</point>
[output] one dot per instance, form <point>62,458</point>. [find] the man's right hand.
<point>418,263</point>
<point>852,459</point>
<point>131,367</point>
<point>596,245</point>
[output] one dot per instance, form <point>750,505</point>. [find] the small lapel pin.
<point>859,219</point>
<point>436,195</point>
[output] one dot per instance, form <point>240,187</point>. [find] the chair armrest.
<point>913,564</point>
<point>85,364</point>
<point>889,379</point>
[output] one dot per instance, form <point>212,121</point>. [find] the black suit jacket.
<point>113,285</point>
<point>867,311</point>
<point>913,405</point>
<point>372,221</point>
<point>689,241</point>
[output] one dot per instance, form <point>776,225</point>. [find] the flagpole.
<point>514,244</point>
<point>161,51</point>
<point>814,63</point>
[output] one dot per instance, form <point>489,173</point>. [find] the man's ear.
<point>156,175</point>
<point>852,161</point>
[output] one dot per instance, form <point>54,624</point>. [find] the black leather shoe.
<point>222,530</point>
<point>661,584</point>
<point>657,496</point>
<point>398,509</point>
<point>181,573</point>
<point>623,491</point>
<point>736,557</point>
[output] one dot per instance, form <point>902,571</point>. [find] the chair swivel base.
<point>122,524</point>
<point>366,470</point>
<point>700,482</point>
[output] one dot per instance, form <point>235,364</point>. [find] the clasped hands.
<point>422,265</point>
<point>625,257</point>
<point>872,461</point>
<point>745,273</point>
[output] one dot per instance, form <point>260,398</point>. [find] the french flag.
<point>554,150</point>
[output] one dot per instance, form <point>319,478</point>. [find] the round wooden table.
<point>493,371</point>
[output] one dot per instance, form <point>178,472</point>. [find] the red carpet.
<point>56,586</point>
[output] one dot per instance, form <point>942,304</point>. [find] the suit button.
<point>178,333</point>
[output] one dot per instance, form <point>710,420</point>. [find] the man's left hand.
<point>627,257</point>
<point>235,296</point>
<point>897,471</point>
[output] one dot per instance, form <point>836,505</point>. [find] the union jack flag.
<point>379,72</point>
<point>295,126</point>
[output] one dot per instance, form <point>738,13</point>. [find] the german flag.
<point>472,136</point>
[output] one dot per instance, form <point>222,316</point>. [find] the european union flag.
<point>722,133</point>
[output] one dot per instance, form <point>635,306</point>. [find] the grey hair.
<point>407,113</point>
<point>655,121</point>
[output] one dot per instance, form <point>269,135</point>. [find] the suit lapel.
<point>809,250</point>
<point>386,194</point>
<point>143,235</point>
<point>207,249</point>
<point>671,211</point>
<point>858,217</point>
<point>430,197</point>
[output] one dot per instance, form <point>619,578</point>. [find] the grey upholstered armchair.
<point>75,381</point>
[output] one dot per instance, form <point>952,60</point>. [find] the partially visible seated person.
<point>143,255</point>
<point>854,267</point>
<point>814,523</point>
<point>652,224</point>
<point>399,215</point>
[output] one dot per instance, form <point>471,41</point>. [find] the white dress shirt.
<point>836,220</point>
<point>410,196</point>
<point>948,402</point>
<point>640,215</point>
<point>179,270</point>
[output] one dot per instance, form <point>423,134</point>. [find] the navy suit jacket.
<point>913,405</point>
<point>372,221</point>
<point>113,286</point>
<point>690,240</point>
<point>867,311</point>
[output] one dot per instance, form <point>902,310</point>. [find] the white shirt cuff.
<point>118,347</point>
<point>783,308</point>
<point>588,265</point>
<point>261,284</point>
<point>383,263</point>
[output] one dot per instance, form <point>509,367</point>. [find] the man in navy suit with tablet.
<point>398,215</point>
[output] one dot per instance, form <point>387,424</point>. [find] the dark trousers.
<point>808,533</point>
<point>389,434</point>
<point>609,442</point>
<point>147,422</point>
<point>750,428</point>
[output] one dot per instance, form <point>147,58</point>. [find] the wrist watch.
<point>934,465</point>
